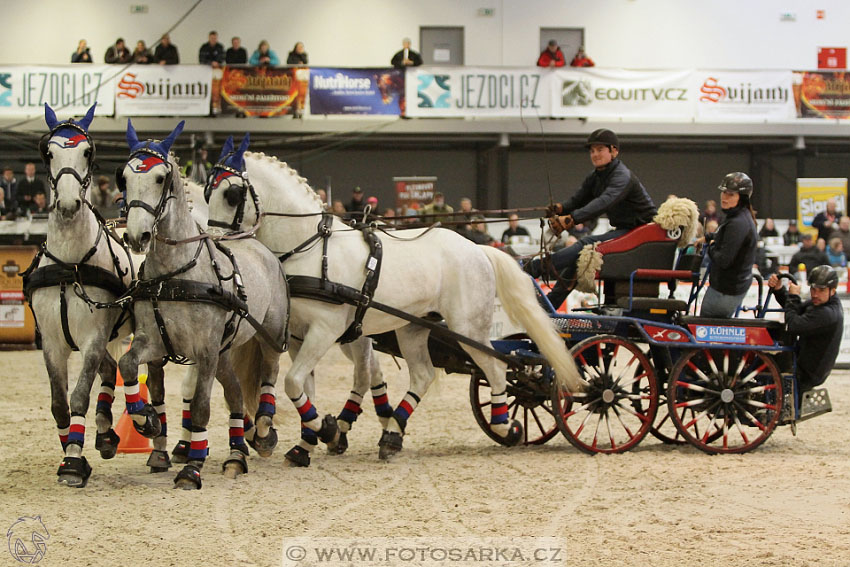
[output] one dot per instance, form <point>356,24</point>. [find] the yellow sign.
<point>812,195</point>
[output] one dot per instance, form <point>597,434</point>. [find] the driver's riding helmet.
<point>602,136</point>
<point>737,182</point>
<point>823,277</point>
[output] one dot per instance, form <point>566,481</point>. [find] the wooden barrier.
<point>17,324</point>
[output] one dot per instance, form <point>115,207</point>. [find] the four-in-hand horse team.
<point>270,270</point>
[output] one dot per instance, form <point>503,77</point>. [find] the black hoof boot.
<point>107,443</point>
<point>159,461</point>
<point>390,444</point>
<point>298,457</point>
<point>180,454</point>
<point>236,464</point>
<point>152,427</point>
<point>329,430</point>
<point>514,436</point>
<point>74,472</point>
<point>264,446</point>
<point>189,478</point>
<point>341,444</point>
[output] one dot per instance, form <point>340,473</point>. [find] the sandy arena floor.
<point>786,503</point>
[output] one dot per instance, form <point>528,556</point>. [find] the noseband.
<point>46,156</point>
<point>212,182</point>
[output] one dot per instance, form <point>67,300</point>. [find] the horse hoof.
<point>298,457</point>
<point>74,472</point>
<point>151,427</point>
<point>158,461</point>
<point>329,431</point>
<point>180,453</point>
<point>107,443</point>
<point>189,478</point>
<point>514,435</point>
<point>390,444</point>
<point>235,464</point>
<point>341,445</point>
<point>264,446</point>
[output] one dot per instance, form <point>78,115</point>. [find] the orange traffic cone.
<point>131,440</point>
<point>119,381</point>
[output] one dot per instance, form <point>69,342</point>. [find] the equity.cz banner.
<point>477,91</point>
<point>264,91</point>
<point>356,91</point>
<point>164,90</point>
<point>68,89</point>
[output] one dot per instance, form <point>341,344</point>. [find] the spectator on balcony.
<point>142,55</point>
<point>212,52</point>
<point>792,235</point>
<point>117,53</point>
<point>552,56</point>
<point>236,54</point>
<point>28,186</point>
<point>406,57</point>
<point>581,59</point>
<point>264,56</point>
<point>297,56</point>
<point>10,188</point>
<point>82,54</point>
<point>166,52</point>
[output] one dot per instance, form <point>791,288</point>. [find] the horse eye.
<point>87,153</point>
<point>160,179</point>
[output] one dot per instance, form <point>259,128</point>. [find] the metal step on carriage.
<point>722,385</point>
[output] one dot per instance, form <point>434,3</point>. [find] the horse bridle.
<point>217,175</point>
<point>46,156</point>
<point>167,189</point>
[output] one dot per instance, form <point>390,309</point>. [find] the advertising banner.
<point>413,192</point>
<point>812,195</point>
<point>472,91</point>
<point>164,90</point>
<point>264,91</point>
<point>822,94</point>
<point>70,90</point>
<point>736,96</point>
<point>357,91</point>
<point>593,92</point>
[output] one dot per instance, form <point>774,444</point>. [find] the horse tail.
<point>519,300</point>
<point>246,359</point>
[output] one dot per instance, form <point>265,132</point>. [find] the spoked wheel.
<point>725,401</point>
<point>529,401</point>
<point>620,403</point>
<point>663,427</point>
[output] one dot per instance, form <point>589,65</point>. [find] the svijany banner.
<point>164,90</point>
<point>472,91</point>
<point>356,91</point>
<point>731,96</point>
<point>70,90</point>
<point>616,93</point>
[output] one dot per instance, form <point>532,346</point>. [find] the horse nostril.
<point>145,239</point>
<point>79,203</point>
<point>126,238</point>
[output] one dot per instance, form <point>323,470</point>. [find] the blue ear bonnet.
<point>74,131</point>
<point>161,147</point>
<point>234,160</point>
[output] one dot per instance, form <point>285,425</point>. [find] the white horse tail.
<point>247,359</point>
<point>519,300</point>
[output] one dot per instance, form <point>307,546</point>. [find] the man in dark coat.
<point>808,255</point>
<point>212,52</point>
<point>166,52</point>
<point>406,57</point>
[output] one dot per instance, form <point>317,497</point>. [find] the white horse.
<point>421,273</point>
<point>79,249</point>
<point>194,300</point>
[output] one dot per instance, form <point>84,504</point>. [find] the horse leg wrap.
<point>310,422</point>
<point>404,409</point>
<point>145,419</point>
<point>186,421</point>
<point>63,435</point>
<point>191,473</point>
<point>198,449</point>
<point>104,401</point>
<point>249,429</point>
<point>159,461</point>
<point>107,443</point>
<point>382,403</point>
<point>298,456</point>
<point>77,430</point>
<point>267,401</point>
<point>159,408</point>
<point>350,411</point>
<point>74,472</point>
<point>237,433</point>
<point>498,408</point>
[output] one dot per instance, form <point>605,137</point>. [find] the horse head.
<point>147,183</point>
<point>68,154</point>
<point>227,189</point>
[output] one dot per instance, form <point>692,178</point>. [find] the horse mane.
<point>301,181</point>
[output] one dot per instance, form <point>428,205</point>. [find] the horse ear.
<point>132,137</point>
<point>239,157</point>
<point>87,119</point>
<point>226,149</point>
<point>50,117</point>
<point>169,141</point>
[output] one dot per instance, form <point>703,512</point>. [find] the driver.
<point>610,189</point>
<point>818,323</point>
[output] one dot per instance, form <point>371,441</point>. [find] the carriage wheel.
<point>725,401</point>
<point>663,427</point>
<point>620,403</point>
<point>529,401</point>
